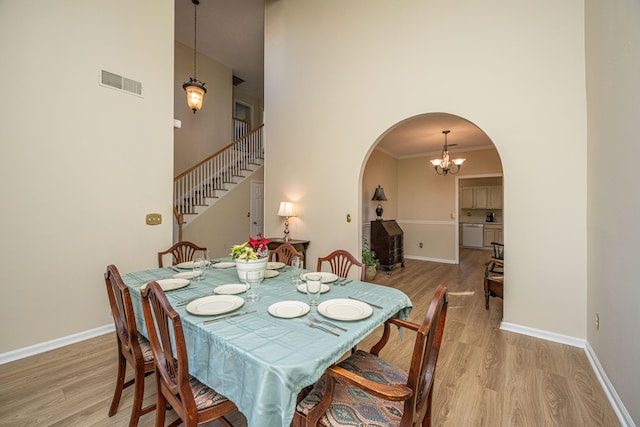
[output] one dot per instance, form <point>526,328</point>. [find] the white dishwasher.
<point>472,235</point>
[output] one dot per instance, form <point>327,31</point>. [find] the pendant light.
<point>444,165</point>
<point>195,89</point>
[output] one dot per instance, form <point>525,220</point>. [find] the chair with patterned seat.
<point>366,390</point>
<point>192,401</point>
<point>341,262</point>
<point>285,254</point>
<point>132,347</point>
<point>181,252</point>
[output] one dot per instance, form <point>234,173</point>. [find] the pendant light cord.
<point>195,36</point>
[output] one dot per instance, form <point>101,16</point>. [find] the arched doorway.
<point>425,204</point>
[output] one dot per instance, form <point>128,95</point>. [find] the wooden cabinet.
<point>481,198</point>
<point>495,198</point>
<point>387,241</point>
<point>492,233</point>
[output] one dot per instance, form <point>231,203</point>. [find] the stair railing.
<point>193,186</point>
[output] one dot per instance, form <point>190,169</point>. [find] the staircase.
<point>201,186</point>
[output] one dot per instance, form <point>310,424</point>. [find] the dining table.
<point>261,354</point>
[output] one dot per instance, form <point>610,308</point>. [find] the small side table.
<point>300,245</point>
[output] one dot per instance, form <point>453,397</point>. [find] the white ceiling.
<point>232,32</point>
<point>422,135</point>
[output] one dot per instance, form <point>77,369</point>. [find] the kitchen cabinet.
<point>481,197</point>
<point>492,233</point>
<point>387,242</point>
<point>495,198</point>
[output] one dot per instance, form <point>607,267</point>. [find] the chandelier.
<point>195,89</point>
<point>444,165</point>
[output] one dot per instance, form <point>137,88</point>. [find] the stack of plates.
<point>224,264</point>
<point>345,309</point>
<point>169,284</point>
<point>325,277</point>
<point>288,309</point>
<point>275,265</point>
<point>231,289</point>
<point>214,304</point>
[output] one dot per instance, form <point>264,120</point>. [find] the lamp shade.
<point>195,94</point>
<point>287,209</point>
<point>379,195</point>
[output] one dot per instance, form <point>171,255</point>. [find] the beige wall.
<point>225,223</point>
<point>488,63</point>
<point>381,169</point>
<point>211,128</point>
<point>80,164</point>
<point>613,89</point>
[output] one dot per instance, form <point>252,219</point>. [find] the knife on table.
<point>228,317</point>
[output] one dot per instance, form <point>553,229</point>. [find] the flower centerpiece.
<point>251,256</point>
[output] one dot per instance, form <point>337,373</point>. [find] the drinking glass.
<point>252,280</point>
<point>296,269</point>
<point>314,283</point>
<point>199,266</point>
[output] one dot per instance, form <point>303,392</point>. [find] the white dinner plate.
<point>187,275</point>
<point>270,273</point>
<point>188,264</point>
<point>275,265</point>
<point>215,304</point>
<point>288,309</point>
<point>232,289</point>
<point>325,276</point>
<point>303,288</point>
<point>224,264</point>
<point>344,309</point>
<point>169,284</point>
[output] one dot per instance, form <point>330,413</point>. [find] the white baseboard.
<point>545,335</point>
<point>53,344</point>
<point>609,390</point>
<point>623,415</point>
<point>440,260</point>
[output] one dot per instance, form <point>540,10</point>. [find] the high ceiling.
<point>229,31</point>
<point>232,32</point>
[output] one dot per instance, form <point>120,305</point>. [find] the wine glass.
<point>253,280</point>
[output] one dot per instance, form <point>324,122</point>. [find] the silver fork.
<point>313,325</point>
<point>315,319</point>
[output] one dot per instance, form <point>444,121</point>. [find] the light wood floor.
<point>485,376</point>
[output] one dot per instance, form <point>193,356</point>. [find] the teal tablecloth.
<point>258,361</point>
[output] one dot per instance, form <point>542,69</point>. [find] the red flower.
<point>260,243</point>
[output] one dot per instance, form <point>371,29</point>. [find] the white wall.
<point>613,89</point>
<point>338,74</point>
<point>80,164</point>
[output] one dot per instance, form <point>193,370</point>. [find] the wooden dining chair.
<point>366,390</point>
<point>181,252</point>
<point>285,253</point>
<point>132,347</point>
<point>341,262</point>
<point>191,400</point>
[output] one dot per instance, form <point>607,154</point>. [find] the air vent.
<point>121,83</point>
<point>237,80</point>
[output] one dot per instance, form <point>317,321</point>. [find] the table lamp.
<point>287,209</point>
<point>379,196</point>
